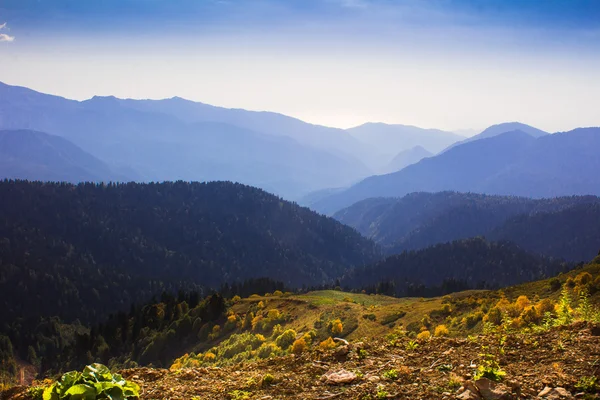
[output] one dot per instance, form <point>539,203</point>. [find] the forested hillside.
<point>560,227</point>
<point>86,250</point>
<point>450,267</point>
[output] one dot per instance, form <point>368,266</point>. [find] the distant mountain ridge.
<point>406,158</point>
<point>148,138</point>
<point>499,129</point>
<point>389,140</point>
<point>564,227</point>
<point>512,163</point>
<point>26,154</point>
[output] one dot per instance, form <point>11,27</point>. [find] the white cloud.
<point>6,38</point>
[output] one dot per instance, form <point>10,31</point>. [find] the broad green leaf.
<point>50,393</point>
<point>98,372</point>
<point>131,389</point>
<point>81,392</point>
<point>114,393</point>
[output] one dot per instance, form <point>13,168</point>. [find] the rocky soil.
<point>553,365</point>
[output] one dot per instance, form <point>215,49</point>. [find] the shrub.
<point>554,284</point>
<point>425,335</point>
<point>268,380</point>
<point>336,327</point>
<point>490,369</point>
<point>472,319</point>
<point>370,317</point>
<point>494,316</point>
<point>588,384</point>
<point>95,382</point>
<point>299,346</point>
<point>441,330</point>
<point>327,344</point>
<point>583,279</point>
<point>309,336</point>
<point>278,293</point>
<point>248,318</point>
<point>267,350</point>
<point>426,321</point>
<point>209,357</point>
<point>522,302</point>
<point>570,283</point>
<point>236,299</point>
<point>286,339</point>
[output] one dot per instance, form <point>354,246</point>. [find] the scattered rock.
<point>340,377</point>
<point>468,395</point>
<point>341,351</point>
<point>555,393</point>
<point>491,390</point>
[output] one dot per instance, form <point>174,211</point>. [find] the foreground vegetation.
<point>271,328</point>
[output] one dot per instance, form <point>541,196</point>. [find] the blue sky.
<point>442,63</point>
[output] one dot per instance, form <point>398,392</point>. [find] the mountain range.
<point>390,140</point>
<point>178,139</point>
<point>32,155</point>
<point>511,163</point>
<point>564,227</point>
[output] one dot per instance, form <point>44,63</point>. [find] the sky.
<point>447,64</point>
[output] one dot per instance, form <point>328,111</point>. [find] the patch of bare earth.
<point>440,368</point>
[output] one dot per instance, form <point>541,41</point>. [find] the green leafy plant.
<point>565,315</point>
<point>36,392</point>
<point>268,380</point>
<point>454,383</point>
<point>95,382</point>
<point>489,368</point>
<point>362,354</point>
<point>588,384</point>
<point>411,345</point>
<point>381,393</point>
<point>391,374</point>
<point>239,395</point>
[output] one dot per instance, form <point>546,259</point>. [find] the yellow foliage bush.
<point>327,344</point>
<point>299,346</point>
<point>425,335</point>
<point>256,321</point>
<point>273,314</point>
<point>522,302</point>
<point>260,337</point>
<point>441,330</point>
<point>583,279</point>
<point>209,357</point>
<point>336,327</point>
<point>278,293</point>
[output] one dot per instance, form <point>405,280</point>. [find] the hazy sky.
<point>447,64</point>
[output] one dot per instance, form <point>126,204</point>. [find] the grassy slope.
<point>307,308</point>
